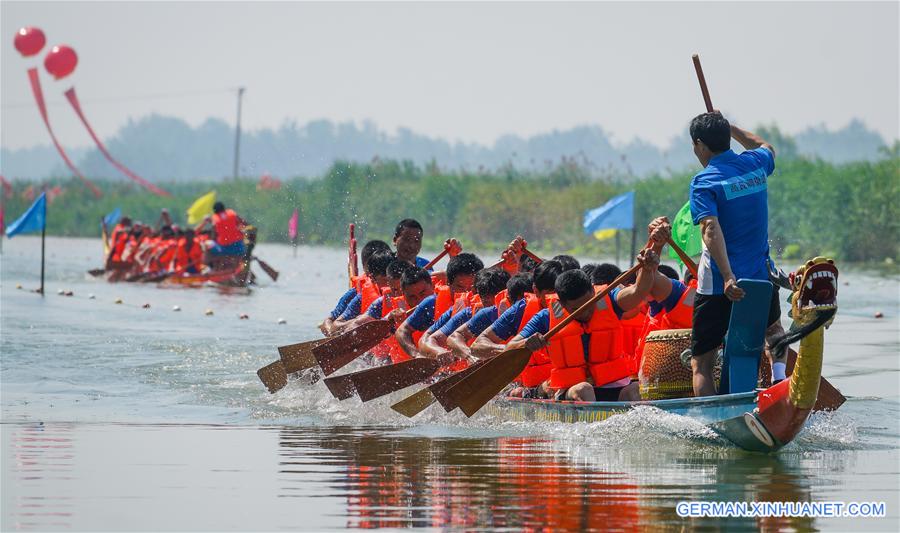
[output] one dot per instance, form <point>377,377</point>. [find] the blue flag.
<point>113,217</point>
<point>617,213</point>
<point>33,220</point>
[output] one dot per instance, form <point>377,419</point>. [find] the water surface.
<point>119,417</point>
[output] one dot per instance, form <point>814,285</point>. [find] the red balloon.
<point>29,41</point>
<point>61,61</point>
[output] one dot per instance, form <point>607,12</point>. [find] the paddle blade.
<point>273,376</point>
<point>97,272</point>
<point>341,387</point>
<point>268,269</point>
<point>829,398</point>
<point>341,350</point>
<point>477,389</point>
<point>376,382</point>
<point>297,357</point>
<point>439,389</point>
<point>415,404</point>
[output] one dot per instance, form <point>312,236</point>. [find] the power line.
<point>136,98</point>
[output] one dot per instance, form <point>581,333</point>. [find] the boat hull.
<point>729,415</point>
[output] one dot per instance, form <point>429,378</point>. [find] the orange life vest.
<point>117,242</point>
<point>501,302</point>
<point>680,317</point>
<point>227,226</point>
<point>396,352</point>
<point>167,249</point>
<point>185,258</point>
<point>538,368</point>
<point>606,359</point>
<point>368,292</point>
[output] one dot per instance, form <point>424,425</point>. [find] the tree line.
<point>848,211</point>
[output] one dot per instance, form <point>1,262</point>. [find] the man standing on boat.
<point>729,200</point>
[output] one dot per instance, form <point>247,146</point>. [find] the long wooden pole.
<point>703,88</point>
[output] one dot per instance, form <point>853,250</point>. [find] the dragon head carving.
<point>813,300</point>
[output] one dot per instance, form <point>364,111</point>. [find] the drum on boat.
<point>663,375</point>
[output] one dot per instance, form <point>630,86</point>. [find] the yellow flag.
<point>604,234</point>
<point>201,207</point>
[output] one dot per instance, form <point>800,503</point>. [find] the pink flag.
<point>292,225</point>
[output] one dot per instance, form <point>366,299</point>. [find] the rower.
<point>229,244</point>
<point>117,240</point>
<point>587,357</point>
<point>368,292</point>
<point>461,335</point>
<point>370,248</point>
<point>408,242</point>
<point>460,278</point>
<point>188,254</point>
<point>488,283</point>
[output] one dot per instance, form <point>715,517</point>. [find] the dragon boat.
<point>762,420</point>
<point>234,273</point>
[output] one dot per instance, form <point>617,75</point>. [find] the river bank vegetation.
<point>849,211</point>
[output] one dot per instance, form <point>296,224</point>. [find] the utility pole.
<point>237,134</point>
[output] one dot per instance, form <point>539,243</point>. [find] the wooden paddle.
<point>685,258</point>
<point>95,272</point>
<point>376,382</point>
<point>477,389</point>
<point>340,351</point>
<point>352,265</point>
<point>294,358</point>
<point>343,349</point>
<point>702,80</point>
<point>268,269</point>
<point>418,402</point>
<point>533,257</point>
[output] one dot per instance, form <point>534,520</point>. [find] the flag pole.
<point>618,245</point>
<point>43,238</point>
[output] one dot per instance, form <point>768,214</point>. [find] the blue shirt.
<point>374,310</point>
<point>507,324</point>
<point>423,316</point>
<point>421,262</point>
<point>669,303</point>
<point>439,323</point>
<point>734,188</point>
<point>456,321</point>
<point>342,303</point>
<point>540,322</point>
<point>482,320</point>
<point>353,308</point>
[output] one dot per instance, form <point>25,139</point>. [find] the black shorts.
<point>711,315</point>
<point>603,394</point>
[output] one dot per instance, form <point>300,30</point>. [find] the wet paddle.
<point>703,87</point>
<point>436,392</point>
<point>343,349</point>
<point>268,269</point>
<point>477,389</point>
<point>95,272</point>
<point>340,351</point>
<point>273,376</point>
<point>294,358</point>
<point>376,382</point>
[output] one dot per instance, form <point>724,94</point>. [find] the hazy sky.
<point>462,71</point>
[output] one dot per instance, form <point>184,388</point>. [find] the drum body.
<point>663,375</point>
